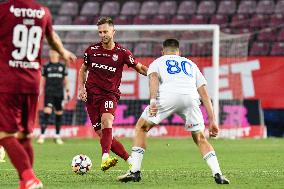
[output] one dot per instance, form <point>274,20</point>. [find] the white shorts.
<point>181,104</point>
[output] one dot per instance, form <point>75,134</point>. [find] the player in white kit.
<point>176,84</point>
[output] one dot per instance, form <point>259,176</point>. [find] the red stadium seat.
<point>69,8</point>
<point>199,19</point>
<point>63,20</point>
<point>247,7</point>
<point>277,49</point>
<point>149,8</point>
<point>227,7</point>
<point>91,8</point>
<point>240,21</point>
<point>265,7</point>
<point>280,36</point>
<point>123,20</point>
<point>180,19</point>
<point>206,7</point>
<point>259,49</point>
<point>82,20</point>
<point>276,20</point>
<point>141,19</point>
<point>160,19</point>
<point>279,7</point>
<point>259,21</point>
<point>187,8</point>
<point>221,20</point>
<point>130,8</point>
<point>168,8</point>
<point>267,35</point>
<point>110,8</point>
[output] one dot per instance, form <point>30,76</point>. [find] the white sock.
<point>137,157</point>
<point>212,162</point>
<point>129,160</point>
<point>105,156</point>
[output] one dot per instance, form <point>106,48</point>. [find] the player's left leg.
<point>209,155</point>
<point>117,147</point>
<point>106,141</point>
<point>138,149</point>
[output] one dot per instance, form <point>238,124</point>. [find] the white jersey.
<point>177,75</point>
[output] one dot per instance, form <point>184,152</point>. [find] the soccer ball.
<point>81,164</point>
<point>2,154</point>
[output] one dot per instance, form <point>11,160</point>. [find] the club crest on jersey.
<point>60,69</point>
<point>115,57</point>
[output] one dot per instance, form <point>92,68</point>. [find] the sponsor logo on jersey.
<point>58,75</point>
<point>114,57</point>
<point>30,13</point>
<point>102,66</point>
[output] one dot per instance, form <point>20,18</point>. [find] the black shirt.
<point>54,74</point>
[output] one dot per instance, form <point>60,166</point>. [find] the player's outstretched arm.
<point>82,81</point>
<point>140,68</point>
<point>56,44</point>
<point>213,127</point>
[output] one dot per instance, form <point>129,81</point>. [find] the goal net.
<point>219,56</point>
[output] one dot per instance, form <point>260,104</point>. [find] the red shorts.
<point>18,112</point>
<point>99,104</point>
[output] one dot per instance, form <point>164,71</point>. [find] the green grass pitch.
<point>168,163</point>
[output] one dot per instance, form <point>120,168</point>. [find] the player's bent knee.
<point>143,125</point>
<point>198,137</point>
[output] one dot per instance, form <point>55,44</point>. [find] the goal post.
<point>214,29</point>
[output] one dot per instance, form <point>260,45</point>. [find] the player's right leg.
<point>58,119</point>
<point>19,158</point>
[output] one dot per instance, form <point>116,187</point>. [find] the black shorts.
<point>53,102</point>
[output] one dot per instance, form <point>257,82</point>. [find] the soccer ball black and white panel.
<point>81,164</point>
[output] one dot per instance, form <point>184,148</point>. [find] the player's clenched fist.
<point>153,108</point>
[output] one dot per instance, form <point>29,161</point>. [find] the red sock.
<point>17,155</point>
<point>119,149</point>
<point>106,140</point>
<point>27,144</point>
